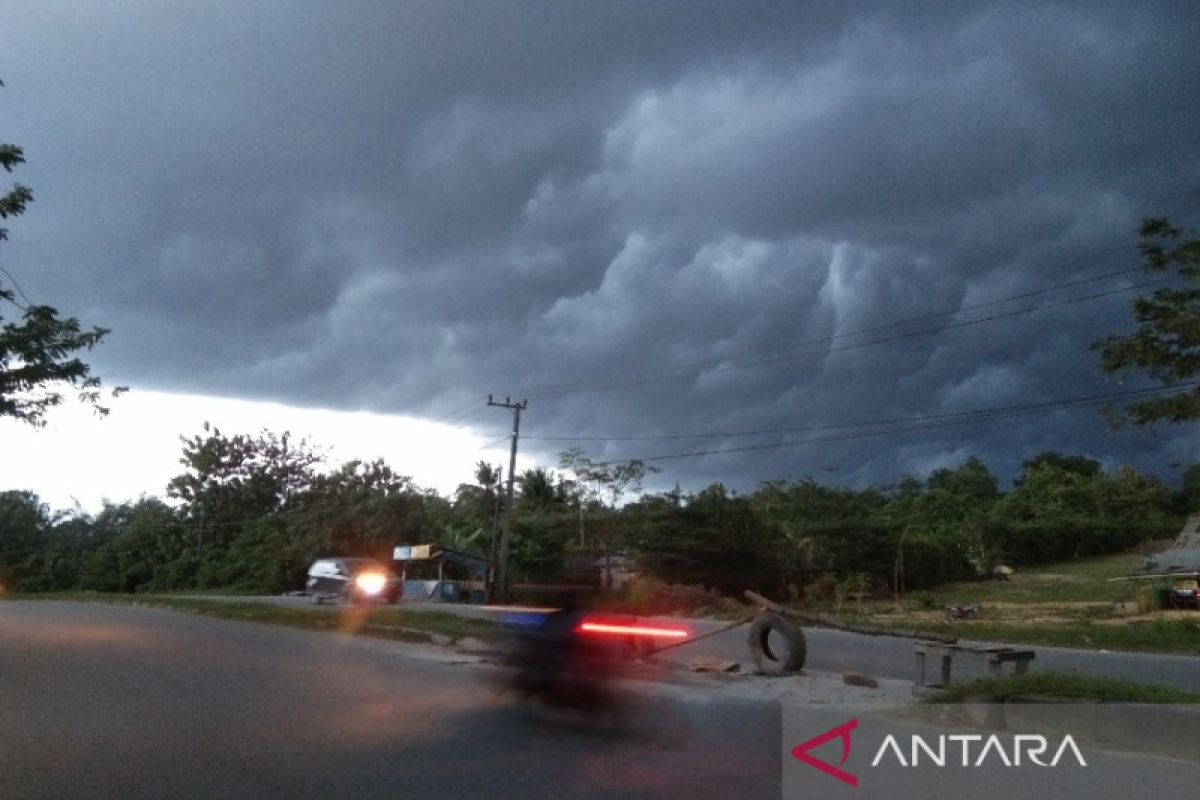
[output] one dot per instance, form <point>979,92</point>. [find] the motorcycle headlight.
<point>370,583</point>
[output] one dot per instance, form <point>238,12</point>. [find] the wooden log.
<point>830,621</point>
<point>730,626</point>
<point>759,600</point>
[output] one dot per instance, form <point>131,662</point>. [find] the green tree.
<point>62,552</point>
<point>940,526</point>
<point>239,477</point>
<point>1189,496</point>
<point>24,520</point>
<point>539,491</point>
<point>360,509</point>
<point>584,489</point>
<point>716,538</point>
<point>475,505</point>
<point>728,547</point>
<point>39,355</point>
<point>1081,465</point>
<point>1166,344</point>
<point>474,540</point>
<point>542,524</point>
<point>1056,513</point>
<point>972,483</point>
<point>810,520</point>
<point>232,482</point>
<point>616,482</point>
<point>142,546</point>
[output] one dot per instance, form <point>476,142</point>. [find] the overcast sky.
<point>679,218</point>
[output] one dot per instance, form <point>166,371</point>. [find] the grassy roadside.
<point>1178,636</point>
<point>1062,686</point>
<point>382,622</point>
<point>1068,604</point>
<point>1085,580</point>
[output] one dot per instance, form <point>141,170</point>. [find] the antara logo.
<point>920,752</point>
<point>842,732</point>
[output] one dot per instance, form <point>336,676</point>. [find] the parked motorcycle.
<point>968,611</point>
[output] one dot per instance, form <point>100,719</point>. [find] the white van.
<point>351,580</point>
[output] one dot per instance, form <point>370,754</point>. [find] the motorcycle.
<point>571,660</point>
<point>968,611</point>
<point>558,667</point>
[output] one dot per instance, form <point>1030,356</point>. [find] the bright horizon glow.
<point>79,459</point>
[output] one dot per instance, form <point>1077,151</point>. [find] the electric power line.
<point>445,418</point>
<point>887,428</point>
<point>1030,407</point>
<point>930,423</point>
<point>496,441</point>
<point>474,414</point>
<point>798,350</point>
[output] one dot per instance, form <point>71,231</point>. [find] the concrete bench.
<point>996,658</point>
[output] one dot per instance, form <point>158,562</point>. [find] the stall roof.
<point>1158,576</point>
<point>1182,559</point>
<point>435,552</point>
<point>1189,537</point>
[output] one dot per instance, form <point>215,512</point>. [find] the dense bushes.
<point>252,513</point>
<point>646,594</point>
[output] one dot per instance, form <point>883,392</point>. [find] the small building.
<point>613,572</point>
<point>435,573</point>
<point>1174,575</point>
<point>1184,557</point>
<point>599,572</point>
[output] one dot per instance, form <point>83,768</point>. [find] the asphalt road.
<point>893,657</point>
<point>886,656</point>
<point>102,701</point>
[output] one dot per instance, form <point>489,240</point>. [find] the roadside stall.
<point>435,573</point>
<point>1171,579</point>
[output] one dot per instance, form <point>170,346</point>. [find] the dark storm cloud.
<point>401,207</point>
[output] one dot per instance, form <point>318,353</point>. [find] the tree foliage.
<point>39,353</point>
<point>1189,495</point>
<point>1080,465</point>
<point>252,512</point>
<point>1166,344</point>
<point>24,521</point>
<point>1056,513</point>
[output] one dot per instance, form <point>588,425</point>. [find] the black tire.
<point>766,660</point>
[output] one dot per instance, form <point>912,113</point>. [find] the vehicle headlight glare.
<point>370,582</point>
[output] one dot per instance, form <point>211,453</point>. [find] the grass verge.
<point>1065,604</point>
<point>1063,686</point>
<point>1181,636</point>
<point>1084,580</point>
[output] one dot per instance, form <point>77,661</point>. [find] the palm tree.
<point>538,490</point>
<point>465,538</point>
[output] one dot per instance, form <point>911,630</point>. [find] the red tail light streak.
<point>614,628</point>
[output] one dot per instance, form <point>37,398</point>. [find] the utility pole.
<point>503,582</point>
<point>495,543</point>
<point>200,534</point>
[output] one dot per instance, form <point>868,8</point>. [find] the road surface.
<point>881,656</point>
<point>102,701</point>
